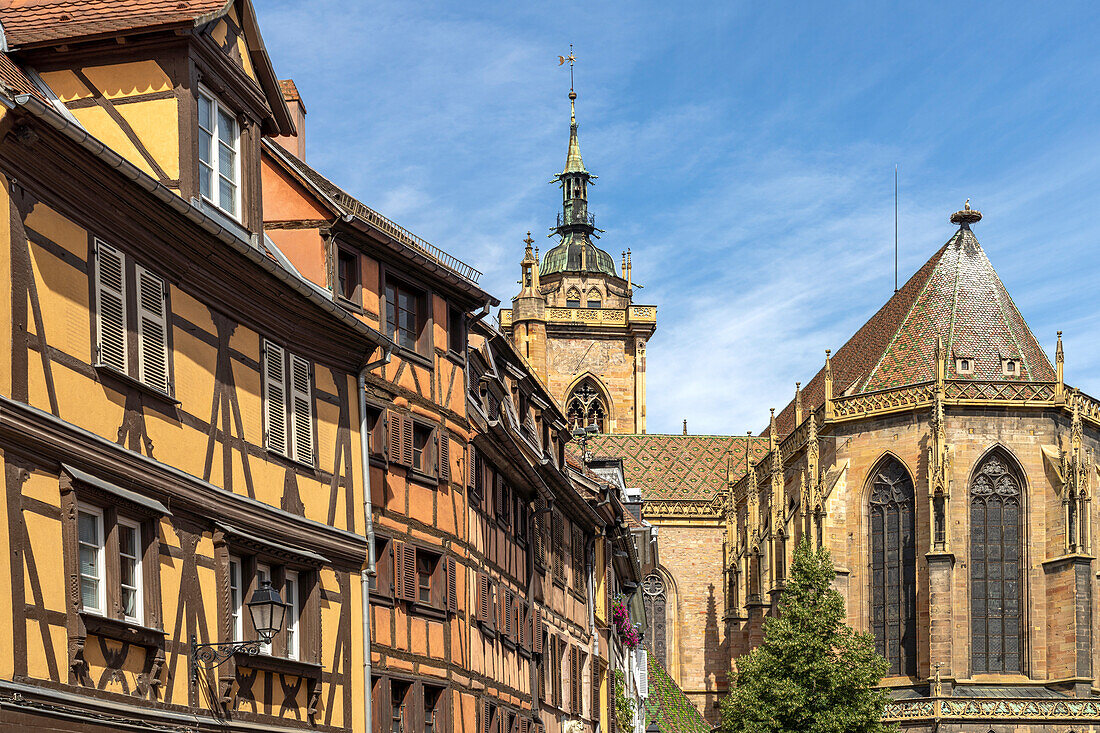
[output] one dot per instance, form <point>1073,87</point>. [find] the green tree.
<point>813,673</point>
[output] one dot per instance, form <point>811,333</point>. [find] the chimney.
<point>294,145</point>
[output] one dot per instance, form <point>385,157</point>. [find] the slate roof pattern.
<point>37,21</point>
<point>668,705</point>
<point>683,467</point>
<point>956,295</point>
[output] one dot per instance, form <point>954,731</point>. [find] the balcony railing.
<point>577,218</point>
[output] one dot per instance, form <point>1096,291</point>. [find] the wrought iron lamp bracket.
<point>214,655</point>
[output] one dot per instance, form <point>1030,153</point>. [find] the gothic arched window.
<point>894,567</point>
<point>585,407</point>
<point>655,600</point>
<point>595,300</point>
<point>995,578</point>
<point>573,298</point>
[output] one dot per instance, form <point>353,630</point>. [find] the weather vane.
<point>572,60</point>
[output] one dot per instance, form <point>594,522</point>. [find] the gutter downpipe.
<point>370,571</point>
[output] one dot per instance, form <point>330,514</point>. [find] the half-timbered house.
<point>179,419</point>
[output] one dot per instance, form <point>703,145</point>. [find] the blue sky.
<point>745,154</point>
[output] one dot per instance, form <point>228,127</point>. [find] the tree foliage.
<point>813,673</point>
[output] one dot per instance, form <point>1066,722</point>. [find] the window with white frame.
<point>118,320</point>
<point>129,566</point>
<point>293,612</point>
<point>236,600</point>
<point>219,155</point>
<point>288,404</point>
<point>91,544</point>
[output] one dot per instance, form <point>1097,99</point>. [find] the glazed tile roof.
<point>668,705</point>
<point>685,467</point>
<point>956,296</point>
<point>36,21</point>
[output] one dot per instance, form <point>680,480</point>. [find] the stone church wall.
<point>611,360</point>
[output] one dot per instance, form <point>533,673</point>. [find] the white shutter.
<point>641,669</point>
<point>110,295</point>
<point>152,330</point>
<point>302,408</point>
<point>275,397</point>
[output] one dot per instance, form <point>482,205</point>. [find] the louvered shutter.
<point>408,571</point>
<point>536,630</point>
<point>452,585</point>
<point>302,409</point>
<point>444,455</point>
<point>559,547</point>
<point>483,598</point>
<point>275,397</point>
<point>486,712</point>
<point>398,573</point>
<point>407,440</point>
<point>510,614</point>
<point>152,316</point>
<point>471,467</point>
<point>523,725</point>
<point>641,664</point>
<point>572,678</point>
<point>110,293</point>
<point>501,620</point>
<point>498,501</point>
<point>393,435</point>
<point>523,624</point>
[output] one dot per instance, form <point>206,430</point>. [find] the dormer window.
<point>1010,367</point>
<point>219,155</point>
<point>964,365</point>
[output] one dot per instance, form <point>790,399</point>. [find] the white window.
<point>129,578</point>
<point>90,542</point>
<point>288,397</point>
<point>290,597</point>
<point>219,155</point>
<point>236,602</point>
<point>263,573</point>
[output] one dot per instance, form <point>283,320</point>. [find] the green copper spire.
<point>573,162</point>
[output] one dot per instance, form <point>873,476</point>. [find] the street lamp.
<point>267,611</point>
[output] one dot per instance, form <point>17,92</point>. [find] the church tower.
<point>574,319</point>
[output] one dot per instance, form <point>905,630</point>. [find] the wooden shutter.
<point>452,585</point>
<point>483,610</point>
<point>573,671</point>
<point>407,440</point>
<point>275,397</point>
<point>524,725</point>
<point>486,712</point>
<point>444,455</point>
<point>398,573</point>
<point>500,618</point>
<point>393,434</point>
<point>302,408</point>
<point>152,318</point>
<point>110,295</point>
<point>536,630</point>
<point>498,501</point>
<point>471,467</point>
<point>408,572</point>
<point>559,547</point>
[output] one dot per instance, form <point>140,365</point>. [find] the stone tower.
<point>574,318</point>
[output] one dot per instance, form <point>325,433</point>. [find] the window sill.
<point>124,631</point>
<point>281,665</point>
<point>378,461</point>
<point>381,599</point>
<point>280,458</point>
<point>420,477</point>
<point>456,357</point>
<point>413,356</point>
<point>487,630</point>
<point>577,595</point>
<point>110,374</point>
<point>350,305</point>
<point>432,612</point>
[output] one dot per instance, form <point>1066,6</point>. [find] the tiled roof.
<point>668,705</point>
<point>686,467</point>
<point>956,296</point>
<point>36,21</point>
<point>13,80</point>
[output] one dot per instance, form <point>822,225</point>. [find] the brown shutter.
<point>536,630</point>
<point>452,585</point>
<point>408,573</point>
<point>572,678</point>
<point>500,618</point>
<point>498,501</point>
<point>559,547</point>
<point>483,598</point>
<point>471,467</point>
<point>444,455</point>
<point>393,431</point>
<point>485,716</point>
<point>494,725</point>
<point>398,573</point>
<point>524,724</point>
<point>523,623</point>
<point>407,440</point>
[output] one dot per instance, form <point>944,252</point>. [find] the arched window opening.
<point>585,407</point>
<point>894,567</point>
<point>655,600</point>
<point>995,574</point>
<point>573,298</point>
<point>595,300</point>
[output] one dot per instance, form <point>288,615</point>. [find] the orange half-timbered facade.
<point>179,419</point>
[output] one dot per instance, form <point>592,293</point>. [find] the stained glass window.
<point>894,567</point>
<point>656,601</point>
<point>995,577</point>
